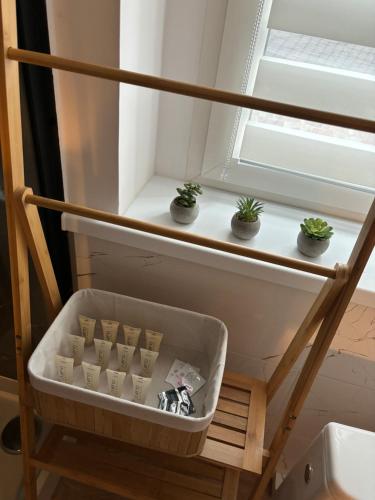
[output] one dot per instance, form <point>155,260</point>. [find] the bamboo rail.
<point>167,232</point>
<point>188,89</point>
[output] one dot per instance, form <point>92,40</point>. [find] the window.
<point>313,54</point>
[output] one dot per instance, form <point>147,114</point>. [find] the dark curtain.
<point>42,173</point>
<point>41,143</point>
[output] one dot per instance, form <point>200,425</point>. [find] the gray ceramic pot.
<point>311,247</point>
<point>244,230</point>
<point>183,215</point>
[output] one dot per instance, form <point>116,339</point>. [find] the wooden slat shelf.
<point>67,489</point>
<point>136,472</point>
<point>127,470</point>
<point>236,434</point>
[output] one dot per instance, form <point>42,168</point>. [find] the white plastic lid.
<point>349,456</point>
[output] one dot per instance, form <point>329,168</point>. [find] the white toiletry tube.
<point>103,352</point>
<point>110,329</point>
<point>140,388</point>
<point>64,369</point>
<point>153,340</point>
<point>131,335</point>
<point>115,382</point>
<point>91,374</point>
<point>125,355</point>
<point>76,348</point>
<point>87,328</point>
<point>148,359</point>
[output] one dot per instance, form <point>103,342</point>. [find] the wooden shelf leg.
<point>28,443</point>
<point>13,172</point>
<point>36,241</point>
<point>230,485</point>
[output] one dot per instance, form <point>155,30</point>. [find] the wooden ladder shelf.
<point>235,437</point>
<point>234,443</point>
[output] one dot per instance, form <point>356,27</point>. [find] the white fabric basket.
<point>195,338</point>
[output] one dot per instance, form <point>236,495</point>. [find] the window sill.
<point>288,189</point>
<point>280,226</point>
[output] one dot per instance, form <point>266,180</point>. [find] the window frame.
<point>223,167</point>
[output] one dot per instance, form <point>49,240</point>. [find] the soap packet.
<point>176,401</point>
<point>184,374</point>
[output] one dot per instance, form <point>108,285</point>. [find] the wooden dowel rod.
<point>188,89</point>
<point>147,227</point>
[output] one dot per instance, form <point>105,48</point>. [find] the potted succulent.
<point>246,222</point>
<point>184,208</point>
<point>313,239</point>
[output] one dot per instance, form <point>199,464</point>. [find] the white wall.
<point>113,138</point>
<point>141,43</point>
<point>87,108</point>
<point>107,131</point>
<point>192,41</point>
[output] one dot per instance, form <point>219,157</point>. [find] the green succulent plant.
<point>248,209</point>
<point>187,194</point>
<point>316,229</point>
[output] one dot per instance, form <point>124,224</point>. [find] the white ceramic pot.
<point>183,215</point>
<point>310,247</point>
<point>244,230</point>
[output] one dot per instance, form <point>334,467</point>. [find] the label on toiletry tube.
<point>64,369</point>
<point>153,340</point>
<point>87,326</point>
<point>115,382</point>
<point>125,355</point>
<point>91,375</point>
<point>103,352</point>
<point>131,335</point>
<point>140,388</point>
<point>148,359</point>
<point>76,348</point>
<point>110,329</point>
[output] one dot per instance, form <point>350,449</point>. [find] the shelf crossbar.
<point>189,89</point>
<point>184,236</point>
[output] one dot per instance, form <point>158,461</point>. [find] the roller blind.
<point>351,21</point>
<point>311,53</point>
<point>321,55</point>
<point>315,86</point>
